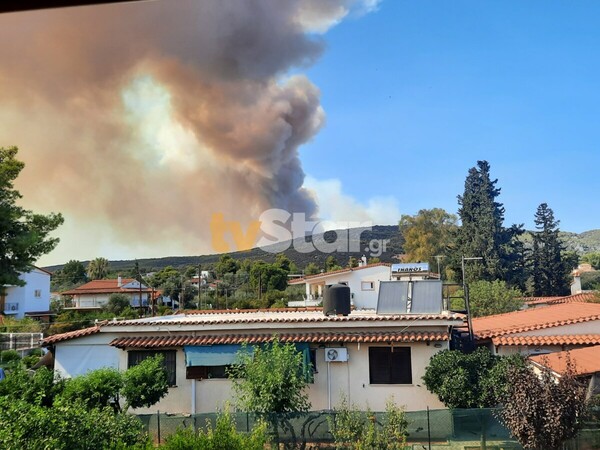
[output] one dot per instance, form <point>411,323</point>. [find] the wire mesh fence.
<point>464,429</point>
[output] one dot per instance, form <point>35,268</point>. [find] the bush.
<point>9,359</point>
<point>356,430</point>
<point>224,436</point>
<point>67,427</point>
<point>146,383</point>
<point>39,388</point>
<point>96,389</point>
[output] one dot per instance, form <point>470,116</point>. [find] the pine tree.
<point>482,233</point>
<point>550,272</point>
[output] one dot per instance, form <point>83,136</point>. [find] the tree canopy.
<point>24,235</point>
<point>550,271</point>
<point>427,234</point>
<point>492,297</point>
<point>482,232</point>
<point>469,380</point>
<point>98,268</point>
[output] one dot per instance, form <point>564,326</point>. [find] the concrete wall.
<point>350,379</point>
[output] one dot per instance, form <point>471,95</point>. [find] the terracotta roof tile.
<point>562,339</point>
<point>333,272</point>
<point>321,338</point>
<point>587,360</point>
<point>72,334</point>
<point>535,319</point>
<point>581,297</point>
<point>270,316</point>
<point>104,287</point>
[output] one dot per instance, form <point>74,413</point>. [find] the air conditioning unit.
<point>337,354</point>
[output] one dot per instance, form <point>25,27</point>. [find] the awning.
<point>213,355</point>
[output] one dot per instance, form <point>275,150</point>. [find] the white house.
<point>95,294</point>
<point>363,282</point>
<point>33,297</point>
<point>365,356</point>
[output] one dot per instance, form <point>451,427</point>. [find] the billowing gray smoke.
<point>154,116</point>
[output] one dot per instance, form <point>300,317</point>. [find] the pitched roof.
<point>281,316</point>
<point>105,287</point>
<point>581,297</point>
<point>322,338</point>
<point>72,334</point>
<point>258,318</point>
<point>335,272</point>
<point>560,339</point>
<point>586,360</point>
<point>535,319</point>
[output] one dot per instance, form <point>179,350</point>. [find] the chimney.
<point>363,261</point>
<point>576,284</point>
<point>119,281</point>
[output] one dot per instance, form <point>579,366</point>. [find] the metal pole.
<point>428,429</point>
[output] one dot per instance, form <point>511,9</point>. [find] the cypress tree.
<point>482,233</point>
<point>550,271</point>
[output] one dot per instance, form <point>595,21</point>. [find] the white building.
<point>95,294</point>
<point>363,282</point>
<point>365,356</point>
<point>33,297</point>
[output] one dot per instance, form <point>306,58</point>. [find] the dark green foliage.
<point>39,389</point>
<point>66,427</point>
<point>226,264</point>
<point>311,269</point>
<point>490,297</point>
<point>223,436</point>
<point>266,277</point>
<point>9,358</point>
<point>24,236</point>
<point>593,259</point>
<point>482,233</point>
<point>271,380</point>
<point>550,272</point>
<point>541,411</point>
<point>146,383</point>
<point>471,380</point>
<point>117,303</point>
<point>97,389</point>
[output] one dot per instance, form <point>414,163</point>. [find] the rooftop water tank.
<point>336,300</point>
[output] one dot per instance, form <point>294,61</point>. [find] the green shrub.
<point>223,436</point>
<point>353,429</point>
<point>96,389</point>
<point>67,427</point>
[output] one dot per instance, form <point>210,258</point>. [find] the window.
<point>37,293</point>
<point>390,365</point>
<point>367,286</point>
<point>206,372</point>
<point>169,361</point>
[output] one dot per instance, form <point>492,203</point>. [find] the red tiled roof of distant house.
<point>586,360</point>
<point>334,272</point>
<point>581,297</point>
<point>535,319</point>
<point>259,338</point>
<point>105,287</point>
<point>560,339</point>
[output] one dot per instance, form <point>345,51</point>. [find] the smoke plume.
<point>153,116</point>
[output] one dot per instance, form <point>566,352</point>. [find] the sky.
<point>144,123</point>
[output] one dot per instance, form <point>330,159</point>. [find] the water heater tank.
<point>336,300</point>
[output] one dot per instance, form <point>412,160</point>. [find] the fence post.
<point>428,429</point>
<point>158,425</point>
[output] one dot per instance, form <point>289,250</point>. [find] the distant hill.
<point>298,251</point>
<point>588,241</point>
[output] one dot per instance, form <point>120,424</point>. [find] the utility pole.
<point>466,291</point>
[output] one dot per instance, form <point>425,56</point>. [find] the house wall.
<point>350,379</point>
<point>98,300</point>
<point>22,299</point>
<point>81,355</point>
<point>362,299</point>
